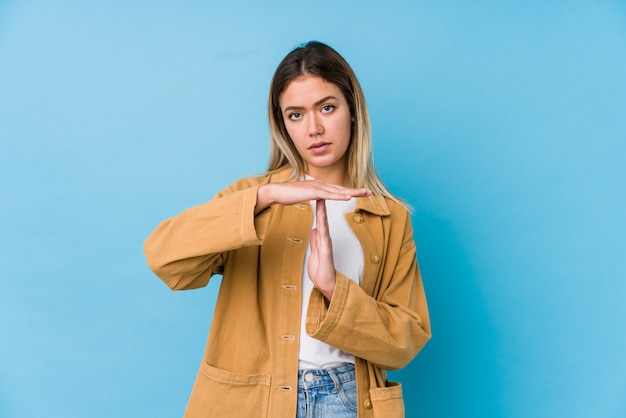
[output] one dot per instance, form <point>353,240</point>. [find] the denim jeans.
<point>327,393</point>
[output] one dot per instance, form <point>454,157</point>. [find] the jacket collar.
<point>376,205</point>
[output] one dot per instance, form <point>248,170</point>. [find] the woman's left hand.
<point>321,265</point>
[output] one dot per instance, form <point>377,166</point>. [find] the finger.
<point>352,191</point>
<point>334,196</point>
<point>324,245</point>
<point>313,240</point>
<point>321,218</point>
<point>331,188</point>
<point>343,193</point>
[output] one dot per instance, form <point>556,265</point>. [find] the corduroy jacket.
<point>250,365</point>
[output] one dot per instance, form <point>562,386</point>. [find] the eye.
<point>327,108</point>
<point>294,116</point>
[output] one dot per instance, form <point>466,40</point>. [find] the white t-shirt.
<point>348,259</point>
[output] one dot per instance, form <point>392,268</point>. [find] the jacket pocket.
<point>387,402</point>
<point>221,394</point>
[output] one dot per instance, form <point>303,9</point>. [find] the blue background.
<point>503,123</point>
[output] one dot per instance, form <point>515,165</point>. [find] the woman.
<point>321,290</point>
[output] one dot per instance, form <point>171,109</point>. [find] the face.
<point>318,120</point>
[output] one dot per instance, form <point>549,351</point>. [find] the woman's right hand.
<point>293,192</point>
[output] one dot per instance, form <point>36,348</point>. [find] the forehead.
<point>308,88</point>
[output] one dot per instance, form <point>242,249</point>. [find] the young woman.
<point>321,292</point>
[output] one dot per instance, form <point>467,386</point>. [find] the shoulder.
<point>400,227</point>
<point>399,221</point>
<point>400,216</point>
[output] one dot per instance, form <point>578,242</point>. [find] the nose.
<point>315,125</point>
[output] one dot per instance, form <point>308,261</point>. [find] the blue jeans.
<point>327,393</point>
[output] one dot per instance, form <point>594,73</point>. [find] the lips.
<point>319,146</point>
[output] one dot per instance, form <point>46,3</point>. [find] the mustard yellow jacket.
<point>250,365</point>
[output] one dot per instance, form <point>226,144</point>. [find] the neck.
<point>331,175</point>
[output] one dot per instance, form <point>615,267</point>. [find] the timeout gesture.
<point>321,267</point>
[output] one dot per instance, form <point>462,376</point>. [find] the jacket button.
<point>375,258</point>
<point>358,218</point>
<point>367,404</point>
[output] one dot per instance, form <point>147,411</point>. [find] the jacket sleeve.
<point>387,330</point>
<point>186,250</point>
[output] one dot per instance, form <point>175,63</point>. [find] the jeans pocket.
<point>348,394</point>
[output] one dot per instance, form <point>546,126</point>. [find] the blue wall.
<point>502,123</point>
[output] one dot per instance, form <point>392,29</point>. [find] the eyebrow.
<point>319,102</point>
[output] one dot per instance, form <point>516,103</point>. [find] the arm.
<point>387,330</point>
<point>186,250</point>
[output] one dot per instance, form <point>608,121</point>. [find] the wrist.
<point>328,294</point>
<point>327,289</point>
<point>263,198</point>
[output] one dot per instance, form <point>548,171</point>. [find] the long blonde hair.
<point>318,59</point>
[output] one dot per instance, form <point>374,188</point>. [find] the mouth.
<point>319,146</point>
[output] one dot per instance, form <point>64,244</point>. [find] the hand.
<point>321,265</point>
<point>293,192</point>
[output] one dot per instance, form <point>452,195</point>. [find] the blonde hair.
<point>318,59</point>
